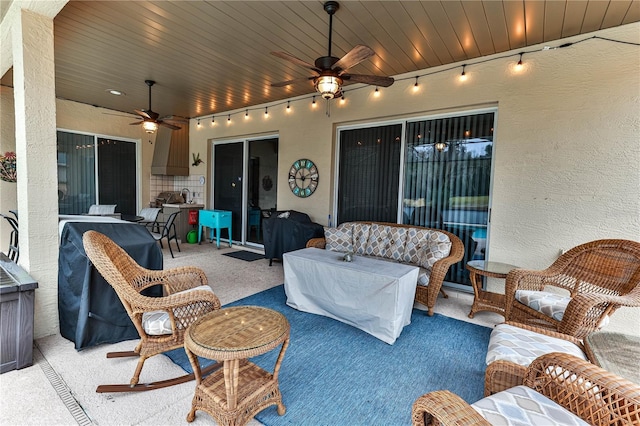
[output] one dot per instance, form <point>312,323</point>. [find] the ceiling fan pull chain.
<point>328,110</point>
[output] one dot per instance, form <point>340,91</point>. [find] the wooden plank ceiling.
<point>213,56</point>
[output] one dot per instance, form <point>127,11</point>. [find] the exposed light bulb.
<point>415,86</point>
<point>229,119</point>
<point>213,121</point>
<point>376,93</point>
<point>463,76</point>
<point>313,102</point>
<point>519,66</point>
<point>343,99</point>
<point>246,114</point>
<point>288,106</point>
<point>198,124</point>
<point>266,112</point>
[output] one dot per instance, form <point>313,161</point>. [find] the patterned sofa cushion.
<point>395,245</point>
<point>522,405</point>
<point>339,239</point>
<point>157,323</point>
<point>423,276</point>
<point>436,246</point>
<point>360,237</point>
<point>520,346</point>
<point>378,240</point>
<point>415,244</point>
<point>551,304</point>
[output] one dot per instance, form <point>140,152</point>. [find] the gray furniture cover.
<point>89,309</point>
<point>282,235</point>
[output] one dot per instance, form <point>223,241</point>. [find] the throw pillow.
<point>339,239</point>
<point>436,246</point>
<point>360,237</point>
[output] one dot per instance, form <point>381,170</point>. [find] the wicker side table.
<point>234,394</point>
<point>484,300</point>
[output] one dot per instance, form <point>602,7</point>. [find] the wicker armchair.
<point>589,392</point>
<point>600,276</point>
<point>160,321</point>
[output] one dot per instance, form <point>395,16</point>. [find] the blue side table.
<point>215,220</point>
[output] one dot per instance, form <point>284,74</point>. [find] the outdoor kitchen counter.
<point>182,221</point>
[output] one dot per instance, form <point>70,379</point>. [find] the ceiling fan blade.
<point>137,122</point>
<point>293,81</point>
<point>171,126</point>
<point>353,57</point>
<point>297,61</point>
<point>142,113</point>
<point>374,80</point>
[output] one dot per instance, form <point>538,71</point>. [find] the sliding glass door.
<point>434,173</point>
<point>245,183</point>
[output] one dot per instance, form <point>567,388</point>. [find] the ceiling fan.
<point>150,120</point>
<point>331,71</point>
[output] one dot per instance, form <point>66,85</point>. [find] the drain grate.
<point>62,390</point>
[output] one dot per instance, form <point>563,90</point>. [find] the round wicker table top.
<point>490,269</point>
<point>237,332</point>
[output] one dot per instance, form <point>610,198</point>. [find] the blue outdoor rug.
<point>334,374</point>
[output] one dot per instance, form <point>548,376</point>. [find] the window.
<point>96,170</point>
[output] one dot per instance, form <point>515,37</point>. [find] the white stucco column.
<point>35,126</point>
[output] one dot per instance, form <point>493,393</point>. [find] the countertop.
<point>184,206</point>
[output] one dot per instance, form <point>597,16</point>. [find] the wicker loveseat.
<point>558,389</point>
<point>433,250</point>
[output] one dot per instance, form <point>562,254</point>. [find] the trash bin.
<point>17,294</point>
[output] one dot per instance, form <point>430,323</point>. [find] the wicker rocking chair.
<point>160,321</point>
<point>600,276</point>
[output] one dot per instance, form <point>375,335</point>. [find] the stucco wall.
<point>566,152</point>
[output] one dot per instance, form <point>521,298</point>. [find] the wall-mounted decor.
<point>196,160</point>
<point>267,183</point>
<point>8,167</point>
<point>303,178</point>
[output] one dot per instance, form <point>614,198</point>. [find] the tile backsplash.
<point>159,184</point>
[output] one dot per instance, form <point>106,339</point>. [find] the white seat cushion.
<point>550,304</point>
<point>157,323</point>
<point>520,406</point>
<point>520,346</point>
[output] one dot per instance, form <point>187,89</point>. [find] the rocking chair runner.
<point>188,297</point>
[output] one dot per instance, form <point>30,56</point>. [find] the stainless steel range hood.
<point>171,152</point>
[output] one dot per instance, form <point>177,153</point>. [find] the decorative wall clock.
<point>303,178</point>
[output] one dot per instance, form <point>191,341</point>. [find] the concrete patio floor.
<point>59,389</point>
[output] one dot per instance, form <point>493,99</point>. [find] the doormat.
<point>249,256</point>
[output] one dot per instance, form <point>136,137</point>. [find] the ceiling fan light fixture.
<point>328,86</point>
<point>440,146</point>
<point>150,126</point>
